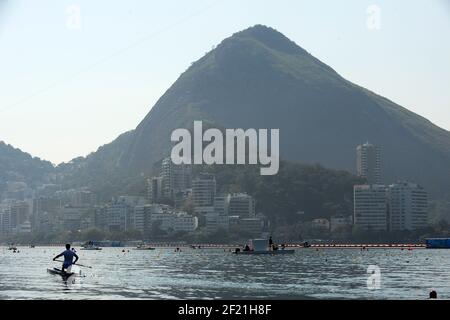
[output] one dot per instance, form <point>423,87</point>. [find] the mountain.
<point>18,166</point>
<point>258,78</point>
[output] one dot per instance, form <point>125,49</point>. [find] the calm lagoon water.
<point>216,274</point>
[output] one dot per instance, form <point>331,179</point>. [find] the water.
<point>215,274</point>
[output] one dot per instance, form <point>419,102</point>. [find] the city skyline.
<point>116,81</point>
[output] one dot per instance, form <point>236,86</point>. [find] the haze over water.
<point>216,274</point>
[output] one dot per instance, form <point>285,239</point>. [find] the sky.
<point>76,74</point>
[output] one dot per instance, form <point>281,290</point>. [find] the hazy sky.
<point>69,85</point>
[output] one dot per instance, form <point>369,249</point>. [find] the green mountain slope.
<point>258,78</point>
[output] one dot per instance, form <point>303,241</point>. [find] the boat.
<point>63,274</point>
<point>144,247</point>
<point>261,246</point>
<point>90,246</point>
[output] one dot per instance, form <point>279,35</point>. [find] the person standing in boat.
<point>68,258</point>
<point>270,243</point>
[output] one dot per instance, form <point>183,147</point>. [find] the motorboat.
<point>90,246</point>
<point>261,246</point>
<point>144,247</point>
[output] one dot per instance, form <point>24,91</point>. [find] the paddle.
<point>76,264</point>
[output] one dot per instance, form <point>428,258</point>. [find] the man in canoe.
<point>68,258</point>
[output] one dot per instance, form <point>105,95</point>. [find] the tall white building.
<point>5,225</point>
<point>215,221</point>
<point>370,207</point>
<point>71,217</point>
<point>15,216</point>
<point>408,206</point>
<point>83,198</point>
<point>144,215</point>
<point>222,205</point>
<point>204,190</point>
<point>368,163</point>
<point>175,178</point>
<point>139,219</point>
<point>164,218</point>
<point>120,216</point>
<point>217,217</point>
<point>45,211</point>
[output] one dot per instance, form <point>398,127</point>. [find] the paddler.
<point>68,258</point>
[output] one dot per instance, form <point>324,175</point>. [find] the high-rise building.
<point>72,217</point>
<point>120,216</point>
<point>251,226</point>
<point>215,221</point>
<point>19,214</point>
<point>44,208</point>
<point>154,189</point>
<point>101,217</point>
<point>156,214</point>
<point>370,208</point>
<point>140,219</point>
<point>5,222</point>
<point>218,217</point>
<point>204,190</point>
<point>242,205</point>
<point>222,204</point>
<point>83,198</point>
<point>368,163</point>
<point>175,178</point>
<point>408,206</point>
<point>161,217</point>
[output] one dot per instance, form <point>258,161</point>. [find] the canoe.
<point>91,248</point>
<point>59,272</point>
<point>273,252</point>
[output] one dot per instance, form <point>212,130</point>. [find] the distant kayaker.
<point>68,258</point>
